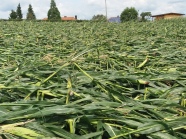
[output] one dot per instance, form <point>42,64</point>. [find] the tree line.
<point>128,14</point>
<point>53,13</point>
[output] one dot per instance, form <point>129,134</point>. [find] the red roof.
<point>65,18</point>
<point>45,19</point>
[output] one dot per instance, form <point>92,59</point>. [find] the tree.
<point>129,14</point>
<point>19,12</point>
<point>13,15</point>
<point>53,12</point>
<point>30,14</point>
<point>145,16</point>
<point>99,17</point>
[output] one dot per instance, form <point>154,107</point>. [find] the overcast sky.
<point>85,9</point>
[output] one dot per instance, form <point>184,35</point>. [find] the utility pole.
<point>106,7</point>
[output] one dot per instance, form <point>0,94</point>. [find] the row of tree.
<point>18,13</point>
<point>128,14</point>
<point>53,13</point>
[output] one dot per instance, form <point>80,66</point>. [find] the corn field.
<point>93,80</point>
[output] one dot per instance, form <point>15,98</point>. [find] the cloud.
<point>85,9</point>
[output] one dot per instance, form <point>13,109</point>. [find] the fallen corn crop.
<point>93,80</point>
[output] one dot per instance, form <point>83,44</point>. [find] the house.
<point>45,19</point>
<point>167,16</point>
<point>114,19</point>
<point>65,18</point>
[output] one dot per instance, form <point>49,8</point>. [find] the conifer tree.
<point>13,15</point>
<point>30,14</point>
<point>19,12</point>
<point>53,12</point>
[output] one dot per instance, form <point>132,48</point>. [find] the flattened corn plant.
<point>93,80</point>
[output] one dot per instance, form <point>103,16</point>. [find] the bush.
<point>129,14</point>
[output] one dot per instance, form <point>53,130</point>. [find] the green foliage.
<point>19,12</point>
<point>13,15</point>
<point>53,12</point>
<point>145,16</point>
<point>30,14</point>
<point>99,17</point>
<point>92,80</point>
<point>129,14</point>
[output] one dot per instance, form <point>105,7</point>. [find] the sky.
<point>86,9</point>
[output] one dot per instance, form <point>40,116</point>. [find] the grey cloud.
<point>177,1</point>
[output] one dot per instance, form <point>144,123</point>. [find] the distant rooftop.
<point>167,14</point>
<point>114,19</point>
<point>45,18</point>
<point>65,18</point>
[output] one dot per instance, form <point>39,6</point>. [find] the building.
<point>45,19</point>
<point>65,18</point>
<point>167,16</point>
<point>114,19</point>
